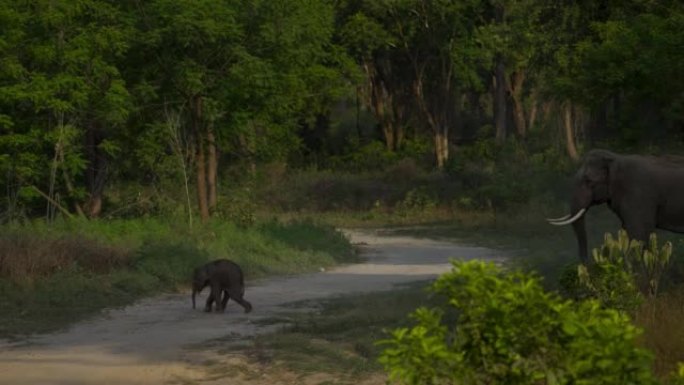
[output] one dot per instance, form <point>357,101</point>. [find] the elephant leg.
<point>216,291</point>
<point>210,300</point>
<point>637,227</point>
<point>237,297</point>
<point>225,299</point>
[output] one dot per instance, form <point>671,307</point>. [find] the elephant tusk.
<point>569,221</point>
<point>559,219</point>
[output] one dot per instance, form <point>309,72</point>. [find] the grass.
<point>661,320</point>
<point>51,276</point>
<point>340,338</point>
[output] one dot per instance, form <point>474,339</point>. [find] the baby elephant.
<point>222,276</point>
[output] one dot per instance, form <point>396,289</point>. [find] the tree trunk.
<point>69,184</point>
<point>500,101</point>
<point>201,179</point>
<point>383,112</point>
<point>569,132</point>
<point>532,115</point>
<point>515,90</point>
<point>381,102</point>
<point>212,168</point>
<point>96,172</point>
<point>441,138</point>
<point>388,132</point>
<point>200,160</point>
<point>398,135</point>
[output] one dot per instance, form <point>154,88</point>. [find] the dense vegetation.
<point>175,108</point>
<point>496,327</point>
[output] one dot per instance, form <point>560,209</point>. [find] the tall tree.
<point>387,86</point>
<point>432,53</point>
<point>66,84</point>
<point>194,44</point>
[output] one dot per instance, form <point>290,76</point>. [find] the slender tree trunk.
<point>212,168</point>
<point>515,90</point>
<point>398,135</point>
<point>441,139</point>
<point>382,104</point>
<point>388,132</point>
<point>96,172</point>
<point>500,101</point>
<point>68,183</point>
<point>200,160</point>
<point>569,132</point>
<point>532,115</point>
<point>359,133</point>
<point>183,151</point>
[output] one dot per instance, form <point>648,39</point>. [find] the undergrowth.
<point>53,275</point>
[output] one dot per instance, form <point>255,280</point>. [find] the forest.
<point>139,139</point>
<point>122,108</point>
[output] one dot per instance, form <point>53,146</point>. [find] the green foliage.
<point>416,200</point>
<point>503,177</point>
<point>169,263</point>
<point>501,327</point>
<point>678,378</point>
<point>87,88</point>
<point>623,269</point>
<point>371,156</point>
<point>307,235</point>
<point>238,207</point>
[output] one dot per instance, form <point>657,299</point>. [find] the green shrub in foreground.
<point>498,327</point>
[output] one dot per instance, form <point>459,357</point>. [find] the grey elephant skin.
<point>645,192</point>
<point>223,277</point>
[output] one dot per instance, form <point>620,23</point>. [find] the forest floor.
<point>163,340</point>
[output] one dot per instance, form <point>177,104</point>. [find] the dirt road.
<point>155,341</point>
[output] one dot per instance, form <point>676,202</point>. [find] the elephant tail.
<point>194,292</point>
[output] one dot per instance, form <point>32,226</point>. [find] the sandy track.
<point>155,340</point>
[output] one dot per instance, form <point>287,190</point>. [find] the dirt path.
<point>155,340</point>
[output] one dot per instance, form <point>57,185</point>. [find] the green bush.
<point>171,263</point>
<point>371,156</point>
<point>624,270</point>
<point>306,235</point>
<point>496,327</point>
<point>678,378</point>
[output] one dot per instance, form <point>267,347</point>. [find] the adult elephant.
<point>645,192</point>
<point>223,277</point>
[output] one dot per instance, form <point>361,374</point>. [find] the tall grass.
<point>661,318</point>
<point>52,275</point>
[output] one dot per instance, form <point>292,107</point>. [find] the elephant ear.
<point>597,165</point>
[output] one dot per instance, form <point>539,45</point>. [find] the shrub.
<point>24,256</point>
<point>307,236</point>
<point>170,263</point>
<point>503,328</point>
<point>623,269</point>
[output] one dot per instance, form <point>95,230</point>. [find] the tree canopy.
<point>97,92</point>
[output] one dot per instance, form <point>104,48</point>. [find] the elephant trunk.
<point>194,292</point>
<point>580,203</point>
<point>581,234</point>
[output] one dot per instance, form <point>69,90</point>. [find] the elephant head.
<point>200,279</point>
<point>591,186</point>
